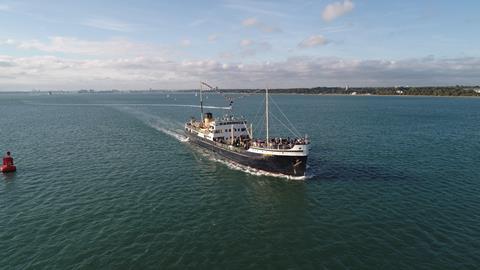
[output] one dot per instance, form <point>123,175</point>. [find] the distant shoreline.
<point>433,91</point>
<point>373,91</point>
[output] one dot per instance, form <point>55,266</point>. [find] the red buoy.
<point>7,165</point>
<point>7,168</point>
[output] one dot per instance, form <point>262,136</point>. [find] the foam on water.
<point>175,134</point>
<point>247,169</point>
<point>257,172</point>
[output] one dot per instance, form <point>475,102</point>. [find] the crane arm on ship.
<point>229,99</point>
<point>201,97</point>
<point>209,86</point>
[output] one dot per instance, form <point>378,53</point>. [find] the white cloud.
<point>49,72</point>
<point>313,41</point>
<point>212,38</point>
<point>252,48</point>
<point>186,43</point>
<point>4,7</point>
<point>255,23</point>
<point>108,24</point>
<point>226,55</point>
<point>337,9</point>
<point>246,42</point>
<point>70,45</point>
<point>198,22</point>
<point>250,22</point>
<point>258,7</point>
<point>8,41</point>
<point>336,29</point>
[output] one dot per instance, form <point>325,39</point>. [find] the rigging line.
<point>276,105</point>
<point>259,119</point>
<point>230,97</point>
<point>246,128</point>
<point>261,125</point>
<point>241,95</point>
<point>255,119</point>
<point>290,123</point>
<point>293,133</point>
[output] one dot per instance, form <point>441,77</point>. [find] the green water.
<point>394,184</point>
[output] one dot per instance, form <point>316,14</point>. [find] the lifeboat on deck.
<point>8,168</point>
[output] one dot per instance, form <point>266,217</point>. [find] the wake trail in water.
<point>174,134</point>
<point>129,104</point>
<point>168,127</point>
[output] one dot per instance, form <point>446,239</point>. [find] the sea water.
<point>108,181</point>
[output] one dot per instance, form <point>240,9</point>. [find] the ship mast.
<point>266,112</point>
<point>201,103</point>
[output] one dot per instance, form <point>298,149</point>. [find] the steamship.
<point>231,138</point>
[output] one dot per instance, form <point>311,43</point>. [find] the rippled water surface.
<point>107,182</point>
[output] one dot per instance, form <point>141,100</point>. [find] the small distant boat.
<point>8,168</point>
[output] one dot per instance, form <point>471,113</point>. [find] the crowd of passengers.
<point>275,143</point>
<point>281,143</point>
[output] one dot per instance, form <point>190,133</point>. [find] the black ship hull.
<point>287,165</point>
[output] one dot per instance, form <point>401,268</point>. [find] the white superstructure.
<point>234,131</point>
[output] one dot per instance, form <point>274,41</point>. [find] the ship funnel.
<point>207,117</point>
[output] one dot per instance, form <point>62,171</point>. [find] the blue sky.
<point>174,44</point>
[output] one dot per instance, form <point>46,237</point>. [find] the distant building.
<point>399,92</point>
<point>353,93</point>
<point>477,90</point>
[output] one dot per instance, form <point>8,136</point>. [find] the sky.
<point>129,45</point>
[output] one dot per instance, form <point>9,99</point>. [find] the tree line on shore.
<point>414,91</point>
